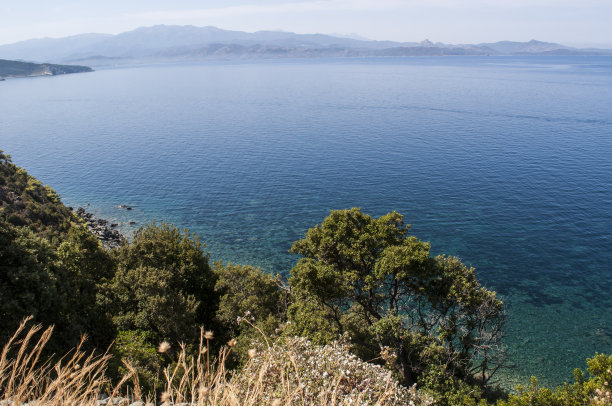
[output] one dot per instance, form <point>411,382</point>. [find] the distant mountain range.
<point>16,69</point>
<point>167,43</point>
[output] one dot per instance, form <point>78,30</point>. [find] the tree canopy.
<point>163,283</point>
<point>249,297</point>
<point>424,315</point>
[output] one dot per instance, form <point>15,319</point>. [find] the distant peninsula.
<point>18,69</point>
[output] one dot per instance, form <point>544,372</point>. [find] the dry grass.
<point>75,379</point>
<point>293,372</point>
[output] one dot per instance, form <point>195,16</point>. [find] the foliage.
<point>24,201</point>
<point>422,315</point>
<point>27,283</point>
<point>58,286</point>
<point>163,284</point>
<point>594,391</point>
<point>247,293</point>
<point>454,392</point>
<point>82,267</point>
<point>138,349</point>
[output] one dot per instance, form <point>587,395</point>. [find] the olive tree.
<point>425,316</point>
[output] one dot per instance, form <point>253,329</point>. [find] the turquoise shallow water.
<point>505,162</point>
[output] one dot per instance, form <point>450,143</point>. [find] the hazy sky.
<point>572,22</point>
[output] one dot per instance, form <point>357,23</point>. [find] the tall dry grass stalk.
<point>293,372</point>
<point>283,374</point>
<point>75,379</point>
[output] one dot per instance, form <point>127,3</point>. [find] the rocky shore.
<point>106,232</point>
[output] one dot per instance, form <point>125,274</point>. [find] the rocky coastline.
<point>108,233</point>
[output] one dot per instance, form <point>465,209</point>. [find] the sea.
<point>505,162</point>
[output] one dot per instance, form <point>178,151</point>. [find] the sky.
<point>582,23</point>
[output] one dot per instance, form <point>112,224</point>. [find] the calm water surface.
<point>505,162</point>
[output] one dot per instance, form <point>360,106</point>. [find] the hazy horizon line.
<point>354,36</point>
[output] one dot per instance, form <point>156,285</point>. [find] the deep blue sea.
<point>505,162</point>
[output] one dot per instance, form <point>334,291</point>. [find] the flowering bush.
<point>296,372</point>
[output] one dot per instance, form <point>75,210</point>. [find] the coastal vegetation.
<point>16,69</point>
<point>367,316</point>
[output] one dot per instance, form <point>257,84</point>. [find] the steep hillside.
<point>25,201</point>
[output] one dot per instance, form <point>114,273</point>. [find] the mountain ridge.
<point>170,42</point>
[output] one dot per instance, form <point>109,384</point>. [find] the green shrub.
<point>594,391</point>
<point>163,284</point>
<point>247,294</point>
<point>138,348</point>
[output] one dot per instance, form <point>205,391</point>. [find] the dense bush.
<point>163,284</point>
<point>139,350</point>
<point>248,297</point>
<point>83,266</point>
<point>27,283</point>
<point>56,285</point>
